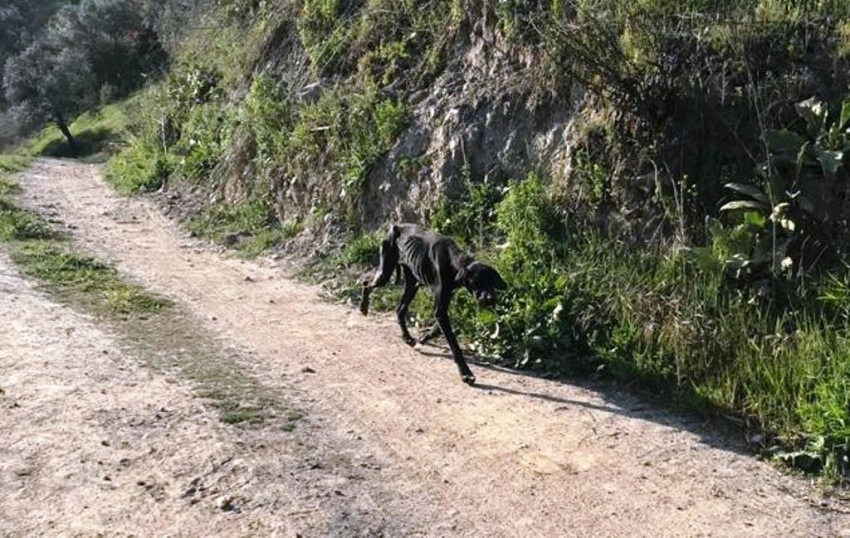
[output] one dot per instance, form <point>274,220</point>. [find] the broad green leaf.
<point>785,141</point>
<point>486,317</point>
<point>749,190</point>
<point>742,204</point>
<point>830,162</point>
<point>755,218</point>
<point>845,114</point>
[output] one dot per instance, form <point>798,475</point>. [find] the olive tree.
<point>118,40</point>
<point>83,49</point>
<point>46,83</point>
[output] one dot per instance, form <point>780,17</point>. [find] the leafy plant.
<point>268,114</point>
<point>764,234</point>
<point>807,165</point>
<point>469,217</point>
<point>530,326</point>
<point>804,183</point>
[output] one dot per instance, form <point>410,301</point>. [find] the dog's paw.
<point>364,307</point>
<point>409,340</point>
<point>427,337</point>
<point>469,379</point>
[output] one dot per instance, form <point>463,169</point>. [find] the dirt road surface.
<point>375,438</point>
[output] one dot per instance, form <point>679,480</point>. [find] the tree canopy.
<point>90,51</point>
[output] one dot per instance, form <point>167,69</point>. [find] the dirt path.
<point>401,447</point>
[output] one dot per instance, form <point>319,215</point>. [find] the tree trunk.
<point>72,144</point>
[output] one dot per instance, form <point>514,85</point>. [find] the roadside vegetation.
<point>695,239</point>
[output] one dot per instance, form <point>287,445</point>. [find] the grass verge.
<point>250,227</point>
<point>148,326</point>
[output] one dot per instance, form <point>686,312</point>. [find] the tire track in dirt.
<point>517,456</point>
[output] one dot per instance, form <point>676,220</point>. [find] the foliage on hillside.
<point>674,211</point>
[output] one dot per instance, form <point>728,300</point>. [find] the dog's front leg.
<point>444,297</point>
<point>411,286</point>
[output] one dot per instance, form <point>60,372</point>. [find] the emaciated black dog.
<point>429,259</point>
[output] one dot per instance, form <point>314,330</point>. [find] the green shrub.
<point>10,164</point>
<point>363,250</point>
<point>323,30</point>
<point>139,169</point>
<point>220,219</point>
<point>268,114</point>
<point>468,217</point>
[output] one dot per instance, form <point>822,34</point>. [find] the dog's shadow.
<point>438,352</point>
<point>619,400</point>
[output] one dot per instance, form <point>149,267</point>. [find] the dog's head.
<point>483,282</point>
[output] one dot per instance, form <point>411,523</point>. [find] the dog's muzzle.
<point>485,299</point>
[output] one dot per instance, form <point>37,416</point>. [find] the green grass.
<point>42,253</point>
<point>10,164</point>
<point>264,239</point>
<point>139,169</point>
<point>97,133</point>
<point>249,227</point>
<point>17,224</point>
<point>96,283</point>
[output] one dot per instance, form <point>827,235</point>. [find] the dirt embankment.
<point>97,440</point>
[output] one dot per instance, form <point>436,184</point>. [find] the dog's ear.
<point>467,274</point>
<point>500,282</point>
<point>395,231</point>
<point>494,278</point>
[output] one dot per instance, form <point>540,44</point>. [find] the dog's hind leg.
<point>388,264</point>
<point>411,286</point>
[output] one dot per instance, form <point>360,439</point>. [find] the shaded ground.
<point>391,442</point>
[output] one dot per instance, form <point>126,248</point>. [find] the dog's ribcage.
<point>415,253</point>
